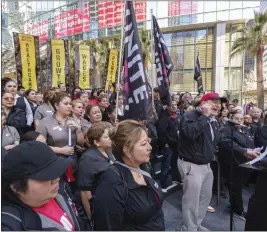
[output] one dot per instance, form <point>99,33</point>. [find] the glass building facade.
<point>189,27</point>
<point>183,47</point>
<point>85,19</point>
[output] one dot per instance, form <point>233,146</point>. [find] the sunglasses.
<point>8,98</point>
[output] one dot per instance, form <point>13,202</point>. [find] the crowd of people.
<point>68,163</point>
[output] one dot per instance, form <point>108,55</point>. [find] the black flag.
<point>197,75</point>
<point>163,62</point>
<point>136,92</point>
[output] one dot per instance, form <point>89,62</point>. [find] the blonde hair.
<point>75,102</point>
<point>127,133</point>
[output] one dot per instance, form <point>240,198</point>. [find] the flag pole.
<point>153,68</point>
<point>120,59</point>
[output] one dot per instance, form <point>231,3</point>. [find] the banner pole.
<point>152,57</point>
<point>120,58</point>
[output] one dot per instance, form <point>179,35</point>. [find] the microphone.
<point>236,123</point>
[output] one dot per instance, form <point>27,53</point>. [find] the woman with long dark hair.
<point>30,94</point>
<point>75,91</point>
<point>10,86</point>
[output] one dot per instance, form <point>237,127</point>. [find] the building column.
<point>219,55</point>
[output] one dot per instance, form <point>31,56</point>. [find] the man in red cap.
<point>197,145</point>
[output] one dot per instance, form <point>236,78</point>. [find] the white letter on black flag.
<point>163,62</point>
<point>137,100</point>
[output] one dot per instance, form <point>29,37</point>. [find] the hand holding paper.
<point>260,157</point>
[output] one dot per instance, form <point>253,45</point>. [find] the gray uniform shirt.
<point>9,136</point>
<point>85,125</point>
<point>43,111</point>
<point>56,135</point>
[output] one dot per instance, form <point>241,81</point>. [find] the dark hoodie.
<point>260,137</point>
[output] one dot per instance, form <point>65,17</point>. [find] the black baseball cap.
<point>33,160</point>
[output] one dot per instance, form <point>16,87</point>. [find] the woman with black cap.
<point>30,185</point>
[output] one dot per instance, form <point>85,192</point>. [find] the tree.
<point>253,40</point>
<point>146,43</point>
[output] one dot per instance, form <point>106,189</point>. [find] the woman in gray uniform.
<point>46,108</point>
<point>77,113</point>
<point>55,128</point>
<point>10,135</point>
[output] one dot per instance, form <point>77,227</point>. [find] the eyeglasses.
<point>8,98</point>
<point>239,119</point>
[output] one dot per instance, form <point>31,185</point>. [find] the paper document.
<point>260,157</point>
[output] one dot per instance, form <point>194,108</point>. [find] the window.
<point>189,37</point>
<point>189,56</point>
<point>177,78</point>
<point>167,38</point>
<point>227,54</point>
<point>44,5</point>
<point>197,7</point>
<point>209,55</point>
<point>210,6</point>
<point>247,4</point>
<point>223,15</point>
<point>235,4</point>
<point>185,19</point>
<point>248,13</point>
<point>199,18</point>
<point>201,48</point>
<point>223,5</point>
<point>177,38</point>
<point>208,81</point>
<point>188,84</point>
<point>185,7</point>
<point>235,14</point>
<point>210,17</point>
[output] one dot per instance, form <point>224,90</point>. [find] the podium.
<point>257,207</point>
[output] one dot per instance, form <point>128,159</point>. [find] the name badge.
<point>55,128</point>
<point>49,111</point>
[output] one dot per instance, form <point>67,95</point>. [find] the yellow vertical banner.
<point>112,68</point>
<point>58,62</point>
<point>84,65</point>
<point>28,61</point>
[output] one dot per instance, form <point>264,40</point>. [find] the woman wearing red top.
<point>93,97</point>
<point>83,96</point>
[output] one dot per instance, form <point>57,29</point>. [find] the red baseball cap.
<point>212,96</point>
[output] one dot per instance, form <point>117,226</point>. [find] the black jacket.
<point>159,108</point>
<point>254,126</point>
<point>168,129</point>
<point>120,204</point>
<point>260,137</point>
<point>23,218</point>
<point>242,141</point>
<point>195,138</point>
